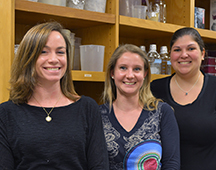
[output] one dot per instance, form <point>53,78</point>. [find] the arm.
<point>97,154</point>
<point>6,157</point>
<point>170,140</point>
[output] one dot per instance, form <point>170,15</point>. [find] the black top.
<point>155,133</point>
<point>74,139</point>
<point>197,124</point>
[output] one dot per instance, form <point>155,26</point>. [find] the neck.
<point>127,103</point>
<point>47,97</point>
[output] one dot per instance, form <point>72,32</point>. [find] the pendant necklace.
<point>186,92</point>
<point>48,118</point>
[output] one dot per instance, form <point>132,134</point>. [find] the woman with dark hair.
<point>46,124</point>
<point>141,131</point>
<point>192,94</point>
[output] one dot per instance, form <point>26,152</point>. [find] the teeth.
<point>129,83</point>
<point>185,62</point>
<point>53,69</point>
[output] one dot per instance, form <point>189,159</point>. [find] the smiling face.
<point>128,74</point>
<point>186,56</point>
<point>52,62</point>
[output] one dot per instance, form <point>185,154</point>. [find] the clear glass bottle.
<point>164,57</point>
<point>163,11</point>
<point>154,59</point>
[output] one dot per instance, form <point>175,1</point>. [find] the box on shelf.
<point>199,17</point>
<point>209,63</point>
<point>213,15</point>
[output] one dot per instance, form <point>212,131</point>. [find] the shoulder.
<point>165,108</point>
<point>86,100</point>
<point>210,78</point>
<point>8,105</point>
<point>104,109</point>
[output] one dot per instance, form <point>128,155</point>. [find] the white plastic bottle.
<point>154,59</point>
<point>164,57</point>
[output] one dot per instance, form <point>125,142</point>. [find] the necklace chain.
<point>186,92</point>
<point>48,118</point>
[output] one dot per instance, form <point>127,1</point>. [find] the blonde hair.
<point>146,99</point>
<point>23,74</point>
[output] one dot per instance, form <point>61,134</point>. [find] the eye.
<point>123,68</point>
<point>43,52</point>
<point>61,52</point>
<point>177,49</point>
<point>137,69</point>
<point>191,49</point>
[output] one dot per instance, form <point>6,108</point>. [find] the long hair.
<point>23,73</point>
<point>146,99</point>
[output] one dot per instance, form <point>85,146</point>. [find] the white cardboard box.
<point>213,15</point>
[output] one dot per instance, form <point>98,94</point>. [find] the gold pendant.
<point>48,118</point>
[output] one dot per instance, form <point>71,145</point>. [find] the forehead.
<point>130,57</point>
<point>185,40</point>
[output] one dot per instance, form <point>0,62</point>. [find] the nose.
<point>130,74</point>
<point>184,53</point>
<point>53,58</point>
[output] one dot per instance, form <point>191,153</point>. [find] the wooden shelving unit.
<point>109,29</point>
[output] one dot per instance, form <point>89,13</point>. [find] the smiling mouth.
<point>127,83</point>
<point>53,69</point>
<point>185,62</point>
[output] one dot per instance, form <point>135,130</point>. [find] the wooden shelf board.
<point>27,12</point>
<point>78,75</point>
<point>94,76</point>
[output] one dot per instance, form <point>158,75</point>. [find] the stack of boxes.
<point>209,63</point>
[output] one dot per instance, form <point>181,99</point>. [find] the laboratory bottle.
<point>163,11</point>
<point>164,59</point>
<point>169,66</point>
<point>143,48</point>
<point>154,59</point>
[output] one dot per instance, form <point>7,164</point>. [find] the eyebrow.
<point>57,47</point>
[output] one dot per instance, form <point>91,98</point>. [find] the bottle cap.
<point>153,47</point>
<point>143,48</point>
<point>163,50</point>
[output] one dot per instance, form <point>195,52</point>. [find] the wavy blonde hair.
<point>23,73</point>
<point>146,98</point>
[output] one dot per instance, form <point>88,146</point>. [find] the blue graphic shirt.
<point>155,132</point>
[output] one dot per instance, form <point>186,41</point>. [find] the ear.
<point>145,74</point>
<point>203,54</point>
<point>112,73</point>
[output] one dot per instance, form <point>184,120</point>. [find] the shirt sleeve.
<point>97,154</point>
<point>170,140</point>
<point>6,157</point>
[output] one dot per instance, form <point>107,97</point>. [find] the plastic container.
<point>139,11</point>
<point>76,61</point>
<point>126,6</point>
<point>79,4</point>
<point>95,5</point>
<point>54,2</point>
<point>92,57</point>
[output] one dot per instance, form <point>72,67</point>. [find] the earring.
<point>112,77</point>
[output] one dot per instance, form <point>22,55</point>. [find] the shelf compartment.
<point>27,12</point>
<point>146,29</point>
